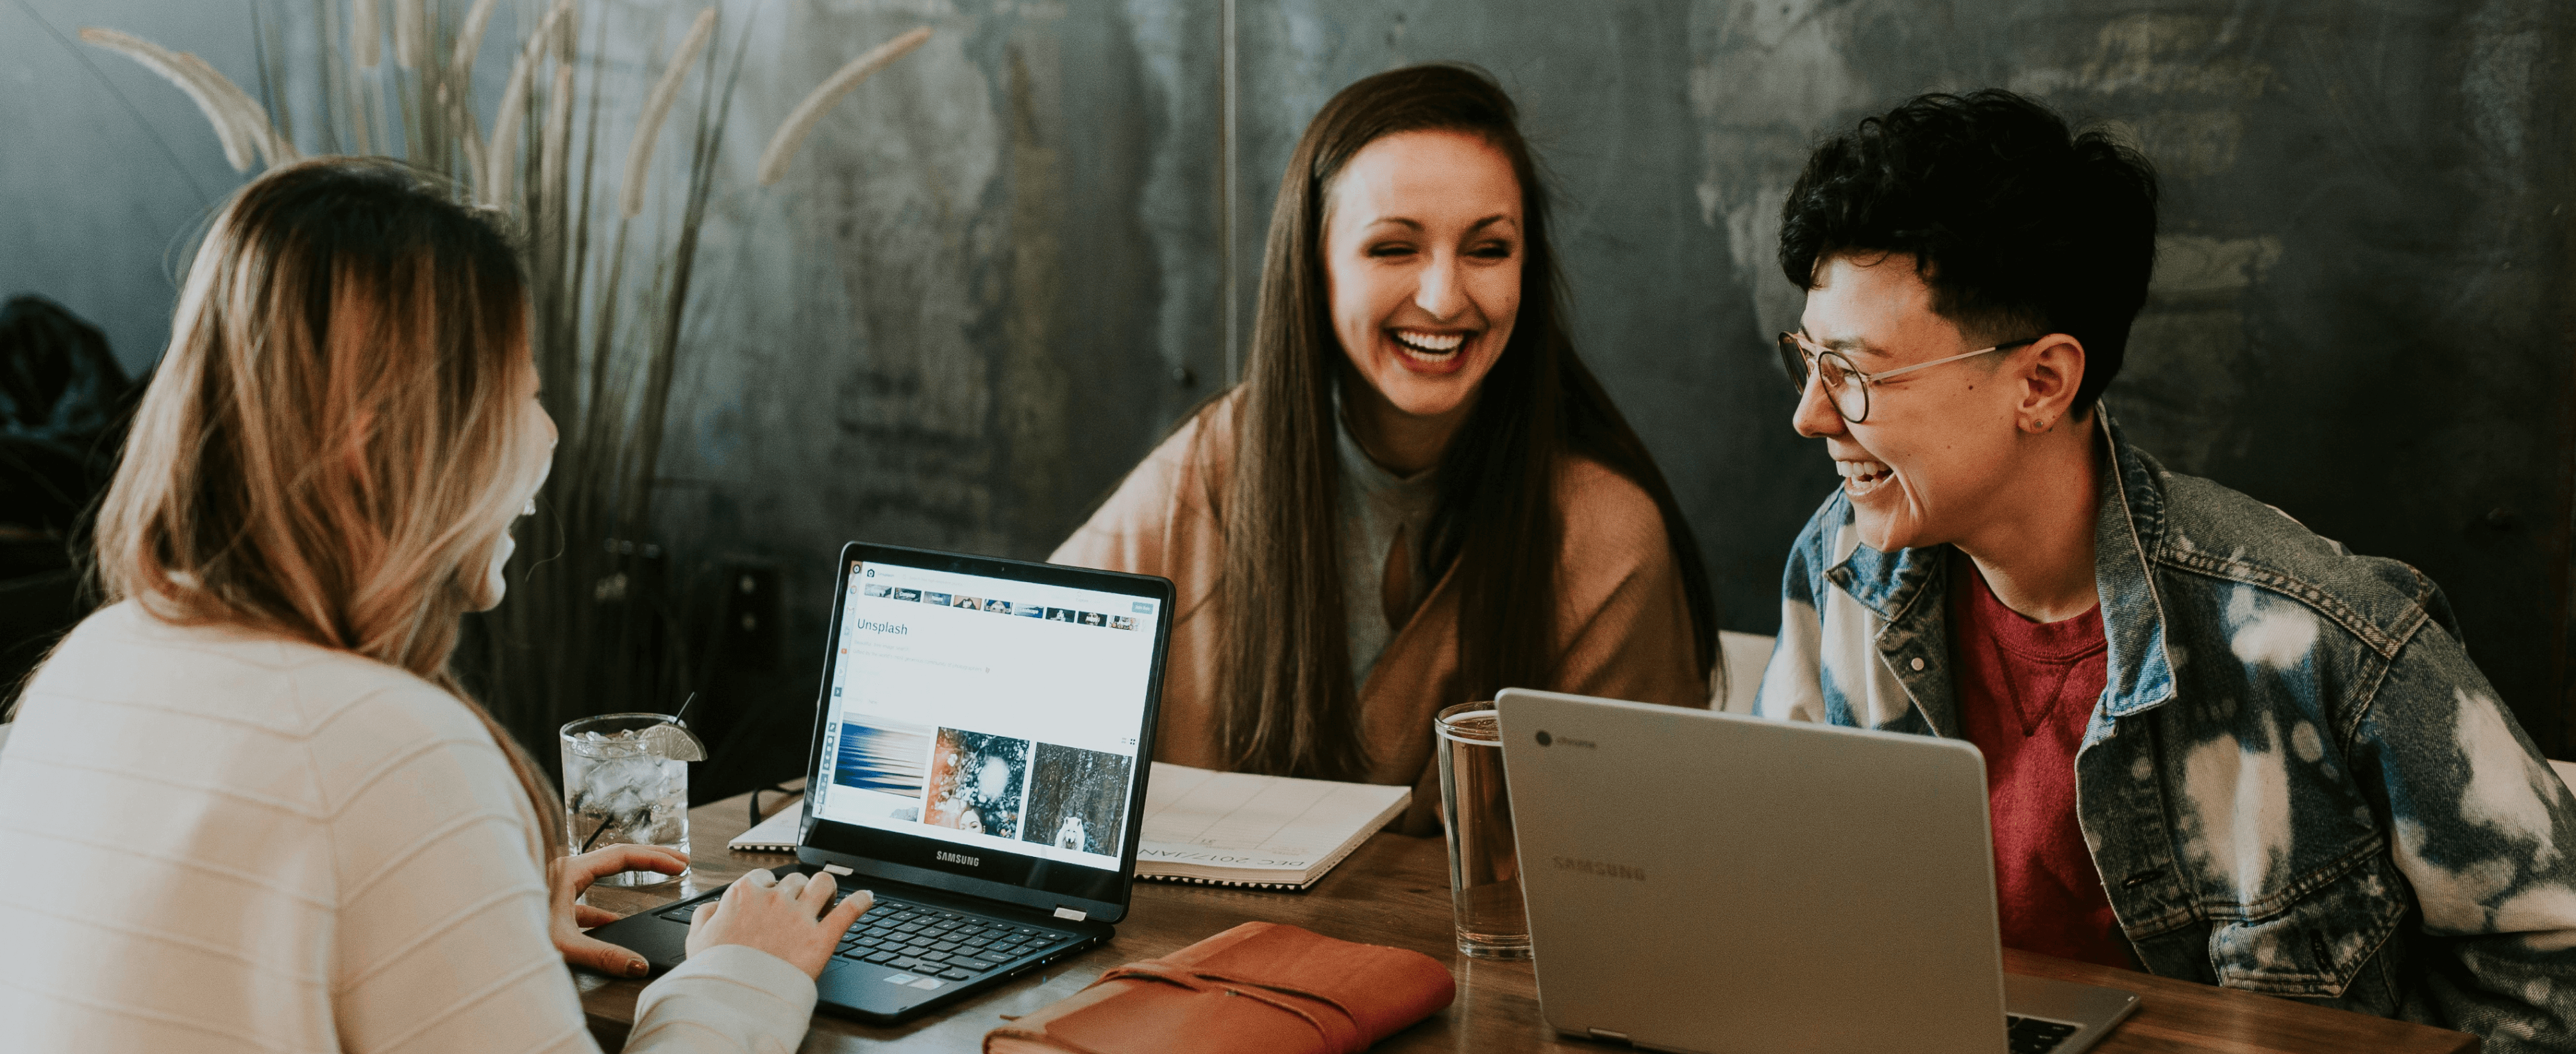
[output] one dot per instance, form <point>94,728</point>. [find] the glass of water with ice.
<point>626,779</point>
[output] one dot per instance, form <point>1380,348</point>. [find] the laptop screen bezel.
<point>1032,881</point>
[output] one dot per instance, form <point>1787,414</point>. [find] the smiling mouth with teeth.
<point>1427,346</point>
<point>1862,477</point>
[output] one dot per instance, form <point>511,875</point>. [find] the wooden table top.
<point>1395,890</point>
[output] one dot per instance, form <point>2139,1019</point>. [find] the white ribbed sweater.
<point>212,842</point>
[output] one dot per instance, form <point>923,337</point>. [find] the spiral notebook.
<point>1267,832</point>
<point>1217,828</point>
<point>777,834</point>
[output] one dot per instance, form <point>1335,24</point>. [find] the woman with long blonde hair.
<point>246,805</point>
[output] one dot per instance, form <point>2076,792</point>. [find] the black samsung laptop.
<point>979,762</point>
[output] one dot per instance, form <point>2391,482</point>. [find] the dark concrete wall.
<point>965,312</point>
<point>974,301</point>
<point>2360,312</point>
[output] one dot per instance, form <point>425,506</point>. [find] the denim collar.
<point>2128,526</point>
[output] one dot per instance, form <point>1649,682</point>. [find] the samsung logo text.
<point>957,858</point>
<point>1595,867</point>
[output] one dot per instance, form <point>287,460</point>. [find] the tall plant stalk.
<point>586,629</point>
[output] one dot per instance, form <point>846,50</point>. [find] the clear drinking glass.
<point>622,784</point>
<point>1484,862</point>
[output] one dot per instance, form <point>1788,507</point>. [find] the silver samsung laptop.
<point>1711,882</point>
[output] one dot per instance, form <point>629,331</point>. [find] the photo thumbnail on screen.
<point>998,607</point>
<point>1078,799</point>
<point>885,758</point>
<point>976,782</point>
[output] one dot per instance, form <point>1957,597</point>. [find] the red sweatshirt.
<point>2025,691</point>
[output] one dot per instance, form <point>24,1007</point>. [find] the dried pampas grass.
<point>469,42</point>
<point>249,119</point>
<point>459,87</point>
<point>366,38</point>
<point>409,27</point>
<point>504,151</point>
<point>468,141</point>
<point>657,106</point>
<point>216,97</point>
<point>503,156</point>
<point>801,121</point>
<point>555,139</point>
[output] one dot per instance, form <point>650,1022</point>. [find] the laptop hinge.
<point>838,869</point>
<point>1603,1033</point>
<point>1075,914</point>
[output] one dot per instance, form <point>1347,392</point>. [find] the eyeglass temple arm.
<point>1876,377</point>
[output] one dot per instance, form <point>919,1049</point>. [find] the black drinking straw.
<point>595,832</point>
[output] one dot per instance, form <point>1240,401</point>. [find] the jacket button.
<point>1918,664</point>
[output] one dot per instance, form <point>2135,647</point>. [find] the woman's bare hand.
<point>782,916</point>
<point>571,876</point>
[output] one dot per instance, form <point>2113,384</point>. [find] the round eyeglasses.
<point>1845,387</point>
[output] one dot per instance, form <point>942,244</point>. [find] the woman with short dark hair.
<point>1418,496</point>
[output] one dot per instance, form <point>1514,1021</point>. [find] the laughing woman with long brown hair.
<point>1418,496</point>
<point>246,807</point>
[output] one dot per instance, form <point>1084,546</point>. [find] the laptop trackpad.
<point>662,942</point>
<point>876,989</point>
<point>2090,1006</point>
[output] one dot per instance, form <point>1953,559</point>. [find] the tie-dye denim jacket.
<point>2295,781</point>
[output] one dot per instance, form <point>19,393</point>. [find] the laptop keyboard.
<point>2030,1035</point>
<point>931,943</point>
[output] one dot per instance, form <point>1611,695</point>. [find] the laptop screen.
<point>997,716</point>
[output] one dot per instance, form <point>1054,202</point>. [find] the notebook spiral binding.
<point>1275,887</point>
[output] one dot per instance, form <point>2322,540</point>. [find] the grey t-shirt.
<point>1376,506</point>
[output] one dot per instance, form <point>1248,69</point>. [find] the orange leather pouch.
<point>1259,988</point>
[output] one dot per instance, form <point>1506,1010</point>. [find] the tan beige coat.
<point>1623,626</point>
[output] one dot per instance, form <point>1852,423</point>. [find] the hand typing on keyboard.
<point>792,918</point>
<point>928,942</point>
